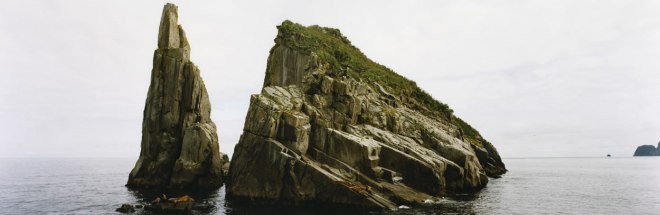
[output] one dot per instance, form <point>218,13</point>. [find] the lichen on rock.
<point>332,126</point>
<point>179,147</point>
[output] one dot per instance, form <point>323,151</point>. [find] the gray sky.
<point>536,78</point>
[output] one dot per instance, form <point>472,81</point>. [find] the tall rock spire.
<point>169,33</point>
<point>179,141</point>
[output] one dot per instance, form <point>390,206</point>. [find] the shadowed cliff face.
<point>179,141</point>
<point>323,129</point>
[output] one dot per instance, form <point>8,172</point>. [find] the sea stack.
<point>647,150</point>
<point>331,126</point>
<point>179,147</point>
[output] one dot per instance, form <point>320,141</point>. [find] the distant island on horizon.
<point>647,150</point>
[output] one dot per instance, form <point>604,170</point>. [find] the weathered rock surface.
<point>178,204</point>
<point>126,208</point>
<point>647,150</point>
<point>179,141</point>
<point>318,133</point>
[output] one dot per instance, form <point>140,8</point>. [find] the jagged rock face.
<point>647,150</point>
<point>179,141</point>
<point>316,135</point>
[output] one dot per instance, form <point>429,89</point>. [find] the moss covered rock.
<point>332,126</point>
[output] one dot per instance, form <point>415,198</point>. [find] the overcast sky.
<point>536,78</point>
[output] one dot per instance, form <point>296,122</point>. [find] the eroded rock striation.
<point>332,126</point>
<point>179,141</point>
<point>647,150</point>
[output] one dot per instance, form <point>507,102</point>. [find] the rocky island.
<point>179,147</point>
<point>647,150</point>
<point>331,126</point>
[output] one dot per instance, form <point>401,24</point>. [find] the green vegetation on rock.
<point>340,55</point>
<point>330,126</point>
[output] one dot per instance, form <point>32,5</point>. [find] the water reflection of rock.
<point>237,207</point>
<point>464,204</point>
<point>206,202</point>
<point>456,204</point>
<point>215,202</point>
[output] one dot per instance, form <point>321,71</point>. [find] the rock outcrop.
<point>332,126</point>
<point>179,141</point>
<point>647,150</point>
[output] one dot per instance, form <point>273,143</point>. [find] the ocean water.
<point>532,186</point>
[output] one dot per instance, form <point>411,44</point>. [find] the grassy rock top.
<point>337,52</point>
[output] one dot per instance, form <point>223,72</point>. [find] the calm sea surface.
<point>532,186</point>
